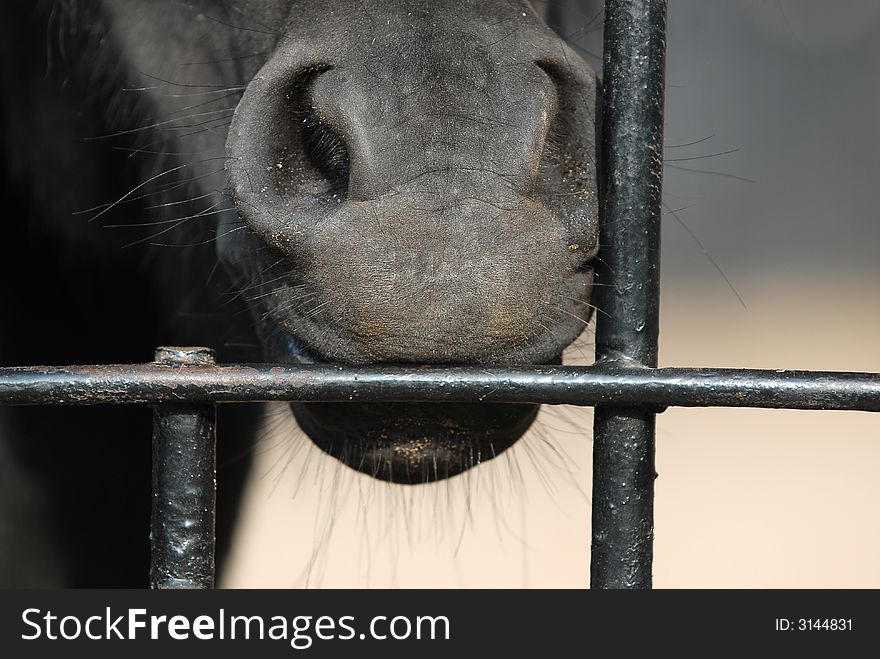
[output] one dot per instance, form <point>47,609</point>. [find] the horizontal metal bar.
<point>567,385</point>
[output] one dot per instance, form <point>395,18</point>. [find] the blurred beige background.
<point>777,104</point>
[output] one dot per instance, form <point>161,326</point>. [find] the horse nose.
<point>440,211</point>
<point>440,129</point>
<point>451,120</point>
<point>310,139</point>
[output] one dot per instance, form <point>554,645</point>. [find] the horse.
<point>291,181</point>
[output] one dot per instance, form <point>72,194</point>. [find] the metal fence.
<point>184,384</point>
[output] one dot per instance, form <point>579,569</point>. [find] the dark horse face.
<point>413,181</point>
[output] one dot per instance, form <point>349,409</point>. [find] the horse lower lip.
<point>408,443</point>
<point>413,443</point>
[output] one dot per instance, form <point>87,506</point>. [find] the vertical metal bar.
<point>184,485</point>
<point>626,334</point>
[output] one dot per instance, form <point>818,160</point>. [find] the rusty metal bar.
<point>184,484</point>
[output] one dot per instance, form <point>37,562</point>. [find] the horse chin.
<point>413,442</point>
<point>404,442</point>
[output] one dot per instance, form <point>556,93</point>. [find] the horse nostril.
<point>566,179</point>
<point>307,153</point>
<point>282,139</point>
<point>323,146</point>
<point>288,159</point>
